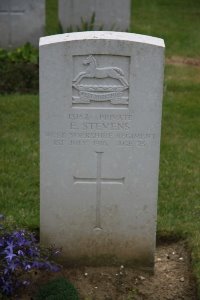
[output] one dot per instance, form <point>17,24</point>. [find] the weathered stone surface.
<point>111,14</point>
<point>101,99</point>
<point>21,21</point>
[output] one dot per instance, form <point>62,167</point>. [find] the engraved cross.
<point>98,180</point>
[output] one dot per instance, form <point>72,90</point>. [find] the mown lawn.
<point>179,193</point>
<point>19,159</point>
<point>178,22</point>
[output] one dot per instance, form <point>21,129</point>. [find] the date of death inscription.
<point>100,130</point>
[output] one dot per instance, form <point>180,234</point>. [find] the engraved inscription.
<point>11,11</point>
<point>101,129</point>
<point>98,180</point>
<point>100,85</point>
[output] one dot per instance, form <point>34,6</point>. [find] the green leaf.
<point>58,289</point>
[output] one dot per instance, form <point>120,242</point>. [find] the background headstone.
<point>21,21</point>
<point>101,99</point>
<point>112,14</point>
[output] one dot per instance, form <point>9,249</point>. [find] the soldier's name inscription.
<point>100,129</point>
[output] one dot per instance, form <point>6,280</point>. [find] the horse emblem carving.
<point>100,93</point>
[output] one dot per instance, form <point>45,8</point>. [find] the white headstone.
<point>21,21</point>
<point>111,14</point>
<point>101,100</point>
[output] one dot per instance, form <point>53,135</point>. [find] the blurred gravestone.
<point>111,14</point>
<point>21,21</point>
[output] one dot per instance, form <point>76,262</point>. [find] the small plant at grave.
<point>132,294</point>
<point>19,255</point>
<point>58,289</point>
<point>19,70</point>
<point>24,54</point>
<point>85,26</point>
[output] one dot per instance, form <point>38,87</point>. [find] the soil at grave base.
<point>172,280</point>
<point>179,60</point>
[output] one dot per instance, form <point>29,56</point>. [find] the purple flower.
<point>2,241</point>
<point>12,266</point>
<point>6,286</point>
<point>10,256</point>
<point>6,289</point>
<point>27,267</point>
<point>36,264</point>
<point>19,253</point>
<point>10,246</point>
<point>33,251</point>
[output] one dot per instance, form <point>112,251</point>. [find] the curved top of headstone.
<point>102,35</point>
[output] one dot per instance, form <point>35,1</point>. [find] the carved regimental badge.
<point>99,85</point>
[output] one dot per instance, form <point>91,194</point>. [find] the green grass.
<point>180,153</point>
<point>179,193</point>
<point>19,173</point>
<point>52,26</point>
<point>176,21</point>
